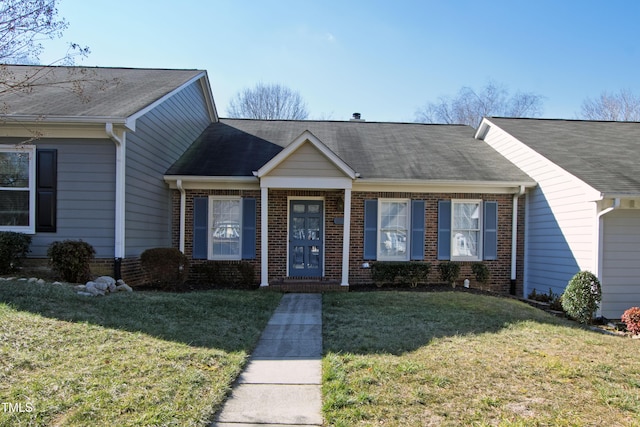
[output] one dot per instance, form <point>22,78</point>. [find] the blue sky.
<point>384,59</point>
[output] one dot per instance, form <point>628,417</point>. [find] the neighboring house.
<point>323,200</point>
<point>83,152</point>
<point>585,212</point>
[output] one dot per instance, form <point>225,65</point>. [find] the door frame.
<point>311,199</point>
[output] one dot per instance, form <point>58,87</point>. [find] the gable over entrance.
<point>306,163</point>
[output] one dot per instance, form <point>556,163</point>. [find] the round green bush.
<point>167,268</point>
<point>582,296</point>
<point>71,259</point>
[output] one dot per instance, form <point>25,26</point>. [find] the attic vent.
<point>356,118</point>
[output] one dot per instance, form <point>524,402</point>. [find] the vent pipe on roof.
<point>356,118</point>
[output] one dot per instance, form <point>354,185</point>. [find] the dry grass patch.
<point>138,359</point>
<point>420,359</point>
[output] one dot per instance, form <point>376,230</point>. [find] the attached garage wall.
<point>621,262</point>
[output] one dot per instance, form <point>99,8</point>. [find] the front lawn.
<point>126,359</point>
<point>455,358</point>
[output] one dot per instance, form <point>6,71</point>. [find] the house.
<point>322,200</point>
<point>132,159</point>
<point>90,147</point>
<point>585,212</point>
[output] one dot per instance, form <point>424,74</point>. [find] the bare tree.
<point>621,106</point>
<point>268,102</point>
<point>26,23</point>
<point>468,106</point>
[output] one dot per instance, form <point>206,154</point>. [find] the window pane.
<point>466,216</point>
<point>394,223</point>
<point>14,208</point>
<point>226,228</point>
<point>14,170</point>
<point>465,243</point>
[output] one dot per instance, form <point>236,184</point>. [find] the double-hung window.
<point>225,225</point>
<point>17,188</point>
<point>394,229</point>
<point>466,230</point>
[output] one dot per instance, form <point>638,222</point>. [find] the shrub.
<point>481,271</point>
<point>582,296</point>
<point>631,319</point>
<point>390,271</point>
<point>13,248</point>
<point>168,268</point>
<point>70,259</point>
<point>554,300</point>
<point>416,272</point>
<point>247,273</point>
<point>449,272</point>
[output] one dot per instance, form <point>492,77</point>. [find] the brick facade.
<point>333,232</point>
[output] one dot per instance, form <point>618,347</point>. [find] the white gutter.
<point>120,143</point>
<point>514,236</point>
<point>183,209</point>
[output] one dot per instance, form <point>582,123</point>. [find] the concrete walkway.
<point>281,384</point>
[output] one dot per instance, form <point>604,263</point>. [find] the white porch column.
<point>346,237</point>
<point>264,237</point>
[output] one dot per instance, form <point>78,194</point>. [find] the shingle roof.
<point>86,91</point>
<point>605,155</point>
<point>237,147</point>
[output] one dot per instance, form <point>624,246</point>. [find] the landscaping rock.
<point>108,282</point>
<point>124,287</point>
<point>41,282</point>
<point>95,288</point>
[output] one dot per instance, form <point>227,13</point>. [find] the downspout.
<point>183,208</point>
<point>119,244</point>
<point>514,240</point>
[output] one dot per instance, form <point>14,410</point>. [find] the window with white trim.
<point>225,225</point>
<point>466,230</point>
<point>17,188</point>
<point>393,229</point>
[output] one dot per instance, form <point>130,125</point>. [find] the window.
<point>225,224</point>
<point>466,231</point>
<point>393,227</point>
<point>17,184</point>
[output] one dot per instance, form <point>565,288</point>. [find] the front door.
<point>305,238</point>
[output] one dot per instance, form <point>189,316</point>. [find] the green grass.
<point>140,358</point>
<point>454,358</point>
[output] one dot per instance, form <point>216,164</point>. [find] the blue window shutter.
<point>417,230</point>
<point>444,229</point>
<point>200,226</point>
<point>370,229</point>
<point>490,238</point>
<point>248,228</point>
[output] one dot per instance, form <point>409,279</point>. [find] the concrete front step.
<point>305,286</point>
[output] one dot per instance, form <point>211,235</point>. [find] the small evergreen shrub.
<point>71,259</point>
<point>417,272</point>
<point>481,272</point>
<point>404,271</point>
<point>13,248</point>
<point>247,273</point>
<point>168,268</point>
<point>554,300</point>
<point>582,296</point>
<point>449,272</point>
<point>631,319</point>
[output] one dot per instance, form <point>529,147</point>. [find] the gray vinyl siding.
<point>86,195</point>
<point>621,262</point>
<point>161,137</point>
